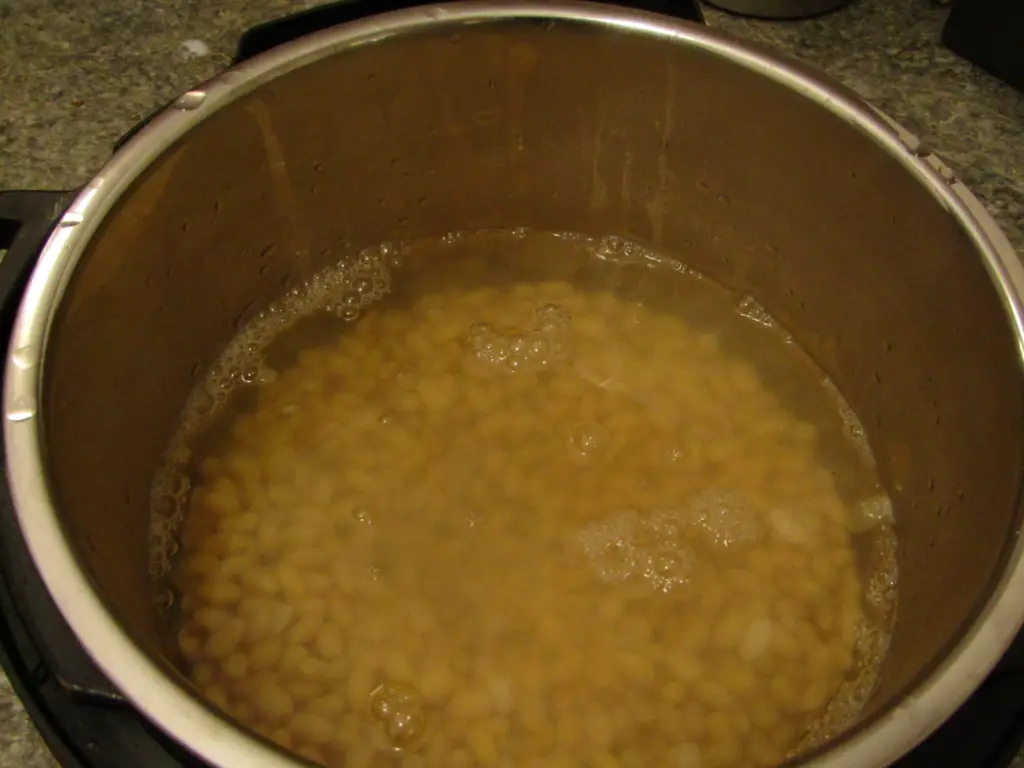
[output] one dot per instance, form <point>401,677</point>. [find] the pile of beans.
<point>524,526</point>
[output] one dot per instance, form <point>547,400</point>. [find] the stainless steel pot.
<point>558,117</point>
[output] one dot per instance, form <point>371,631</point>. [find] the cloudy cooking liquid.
<point>517,498</point>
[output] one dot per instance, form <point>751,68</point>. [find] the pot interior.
<point>553,126</point>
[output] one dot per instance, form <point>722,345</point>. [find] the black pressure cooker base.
<point>84,720</point>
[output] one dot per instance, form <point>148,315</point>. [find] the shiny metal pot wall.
<point>557,117</point>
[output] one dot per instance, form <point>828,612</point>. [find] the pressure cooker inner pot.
<point>550,127</point>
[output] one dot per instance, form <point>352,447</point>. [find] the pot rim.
<point>169,704</point>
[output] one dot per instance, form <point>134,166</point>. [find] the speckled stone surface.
<point>76,74</point>
<point>889,52</point>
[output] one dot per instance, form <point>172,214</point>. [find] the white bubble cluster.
<point>725,517</point>
<point>751,310</point>
<point>871,513</point>
<point>871,645</point>
<point>646,546</point>
<point>656,545</point>
<point>399,708</point>
<point>619,250</point>
<point>884,575</point>
<point>872,639</point>
<point>344,289</point>
<point>168,502</point>
<point>611,547</point>
<point>573,237</point>
<point>535,349</point>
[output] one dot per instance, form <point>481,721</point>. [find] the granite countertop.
<point>76,74</point>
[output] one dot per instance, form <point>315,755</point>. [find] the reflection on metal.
<point>190,100</point>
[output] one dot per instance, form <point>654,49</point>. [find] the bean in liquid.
<point>528,523</point>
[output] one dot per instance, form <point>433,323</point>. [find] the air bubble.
<point>519,346</point>
<point>163,506</point>
<point>367,259</point>
<point>180,486</point>
<point>165,599</point>
<point>853,430</point>
<point>382,704</point>
<point>399,708</point>
<point>871,513</point>
<point>390,250</point>
<point>488,344</point>
<point>251,374</point>
<point>621,251</point>
<point>406,726</point>
<point>495,349</point>
<point>552,316</point>
<point>634,252</point>
<point>667,528</point>
<point>631,544</point>
<point>532,350</point>
<point>665,563</point>
<point>232,375</point>
<point>588,440</point>
<point>725,517</point>
<point>362,515</point>
<point>609,547</point>
<point>668,568</point>
<point>159,567</point>
<point>610,246</point>
<point>539,348</point>
<point>751,310</point>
